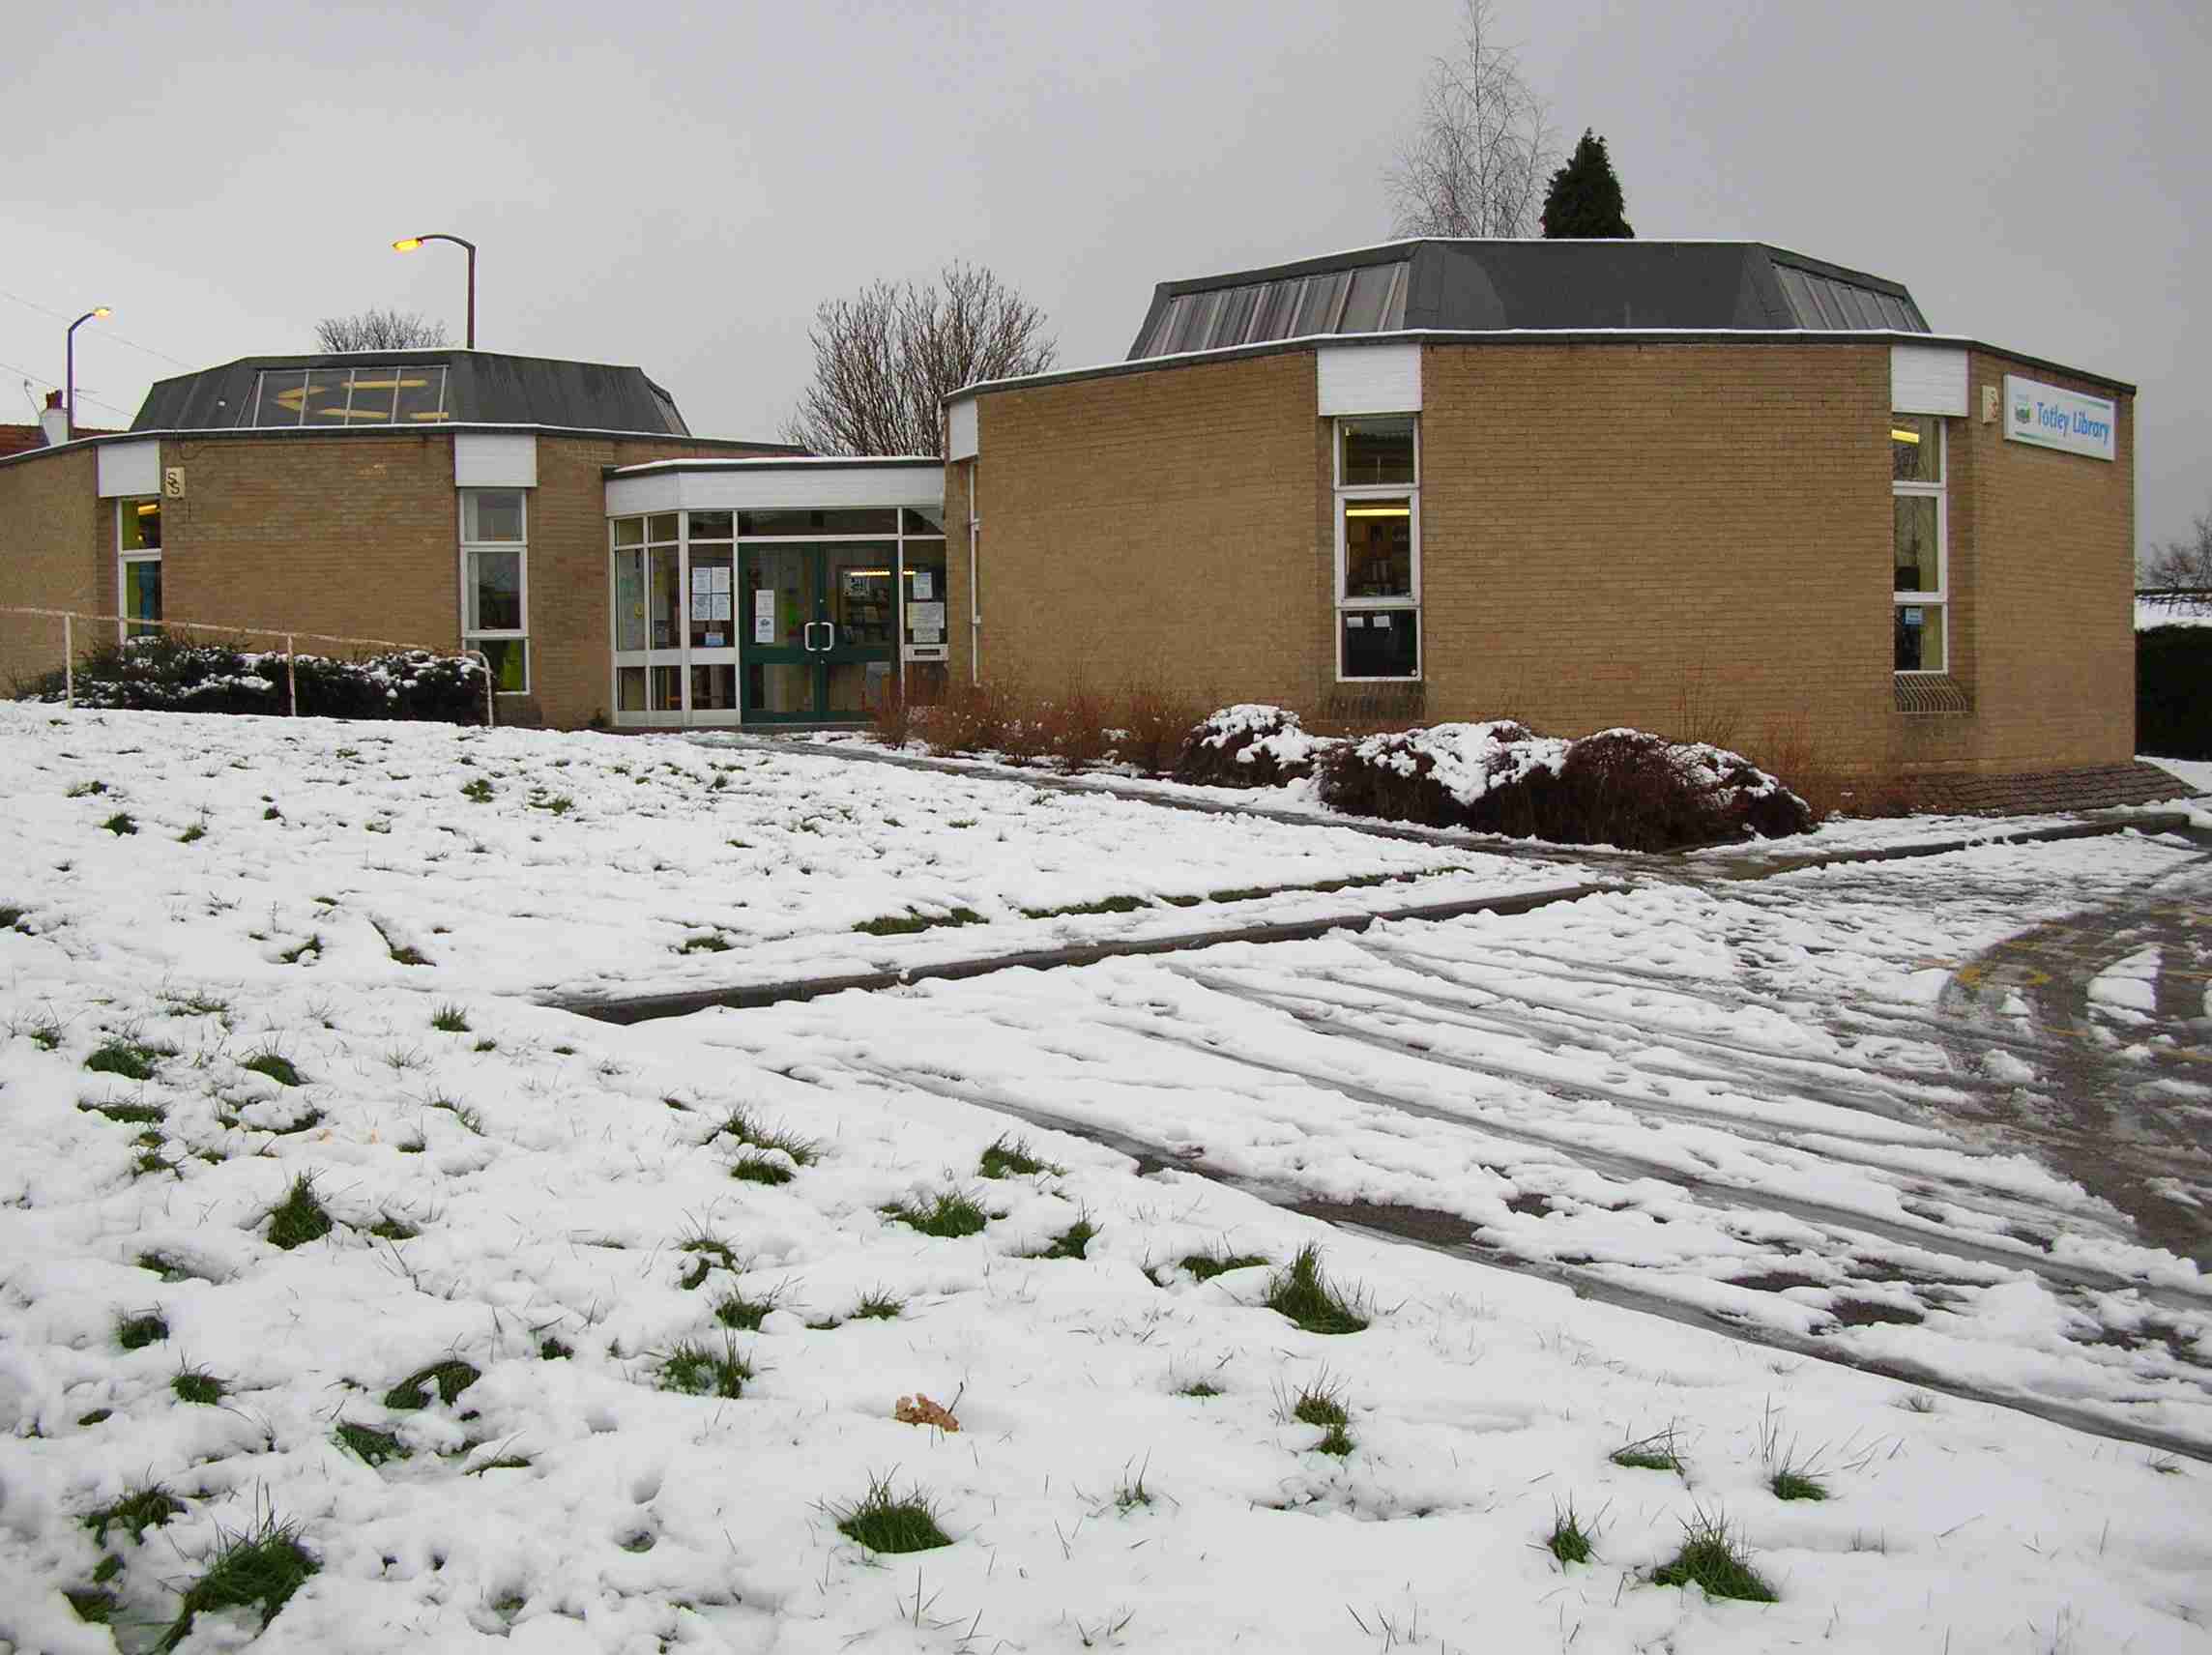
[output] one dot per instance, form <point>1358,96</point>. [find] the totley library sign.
<point>2054,418</point>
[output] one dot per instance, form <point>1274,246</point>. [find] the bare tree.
<point>886,356</point>
<point>2181,568</point>
<point>1475,160</point>
<point>380,331</point>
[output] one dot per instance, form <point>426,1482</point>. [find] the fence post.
<point>291,677</point>
<point>68,662</point>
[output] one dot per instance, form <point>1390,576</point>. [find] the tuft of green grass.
<point>752,1133</point>
<point>879,1305</point>
<point>129,1059</point>
<point>908,923</point>
<point>1204,1267</point>
<point>137,1332</point>
<point>478,791</point>
<point>448,1377</point>
<point>737,1310</point>
<point>1131,1493</point>
<point>274,1066</point>
<point>374,1447</point>
<point>1335,1440</point>
<point>193,835</point>
<point>552,1349</point>
<point>1796,1486</point>
<point>312,945</point>
<point>484,1043</point>
<point>949,1216</point>
<point>198,1385</point>
<point>95,1416</point>
<point>1300,1291</point>
<point>1320,1401</point>
<point>708,1250</point>
<point>93,1605</point>
<point>44,1033</point>
<point>755,1167</point>
<point>1716,1559</point>
<point>469,1120</point>
<point>883,1521</point>
<point>695,1369</point>
<point>259,1568</point>
<point>1657,1452</point>
<point>1070,1242</point>
<point>147,1506</point>
<point>449,1018</point>
<point>87,789</point>
<point>126,1114</point>
<point>1917,1402</point>
<point>1571,1540</point>
<point>120,823</point>
<point>1007,1156</point>
<point>390,1226</point>
<point>704,942</point>
<point>1198,1388</point>
<point>298,1218</point>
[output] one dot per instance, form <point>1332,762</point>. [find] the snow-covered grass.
<point>553,1370</point>
<point>588,864</point>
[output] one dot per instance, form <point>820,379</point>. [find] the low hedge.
<point>2174,692</point>
<point>1250,744</point>
<point>160,674</point>
<point>1626,788</point>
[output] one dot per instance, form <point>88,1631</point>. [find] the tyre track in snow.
<point>1432,1230</point>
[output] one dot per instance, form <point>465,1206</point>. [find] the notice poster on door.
<point>925,622</point>
<point>763,615</point>
<point>924,586</point>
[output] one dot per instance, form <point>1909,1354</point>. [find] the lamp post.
<point>69,354</point>
<point>409,243</point>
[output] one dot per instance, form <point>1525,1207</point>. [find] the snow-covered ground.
<point>1657,1093</point>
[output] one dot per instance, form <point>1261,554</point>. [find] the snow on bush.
<point>1250,744</point>
<point>1620,787</point>
<point>160,674</point>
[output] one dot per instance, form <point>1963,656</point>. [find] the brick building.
<point>558,517</point>
<point>1580,483</point>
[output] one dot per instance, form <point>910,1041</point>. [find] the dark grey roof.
<point>443,386</point>
<point>1489,285</point>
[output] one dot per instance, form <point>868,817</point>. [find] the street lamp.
<point>409,243</point>
<point>68,352</point>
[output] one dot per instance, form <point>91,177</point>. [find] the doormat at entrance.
<point>2095,786</point>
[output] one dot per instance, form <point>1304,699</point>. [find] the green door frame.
<point>819,647</point>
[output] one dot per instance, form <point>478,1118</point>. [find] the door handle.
<point>807,636</point>
<point>829,627</point>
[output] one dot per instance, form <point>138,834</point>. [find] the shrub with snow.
<point>1620,787</point>
<point>162,674</point>
<point>1250,744</point>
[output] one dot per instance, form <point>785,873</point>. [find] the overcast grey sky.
<point>679,190</point>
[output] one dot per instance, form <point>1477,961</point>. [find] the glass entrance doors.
<point>777,616</point>
<point>818,624</point>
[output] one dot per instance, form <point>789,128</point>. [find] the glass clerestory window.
<point>1377,547</point>
<point>339,397</point>
<point>1368,300</point>
<point>495,583</point>
<point>1920,590</point>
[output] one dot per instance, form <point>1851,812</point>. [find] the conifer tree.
<point>1584,199</point>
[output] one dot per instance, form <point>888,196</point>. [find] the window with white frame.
<point>1922,590</point>
<point>138,566</point>
<point>495,583</point>
<point>1377,547</point>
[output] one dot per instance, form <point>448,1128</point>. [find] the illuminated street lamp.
<point>409,243</point>
<point>69,351</point>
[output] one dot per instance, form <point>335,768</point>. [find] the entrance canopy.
<point>774,590</point>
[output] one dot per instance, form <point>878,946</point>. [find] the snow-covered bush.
<point>1620,787</point>
<point>1250,744</point>
<point>1494,778</point>
<point>162,674</point>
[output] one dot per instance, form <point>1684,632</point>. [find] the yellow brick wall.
<point>1689,537</point>
<point>357,536</point>
<point>54,541</point>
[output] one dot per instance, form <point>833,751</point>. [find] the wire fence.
<point>229,631</point>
